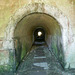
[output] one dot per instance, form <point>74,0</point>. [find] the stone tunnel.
<point>33,30</point>
<point>24,33</point>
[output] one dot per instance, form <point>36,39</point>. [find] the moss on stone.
<point>5,68</point>
<point>23,51</point>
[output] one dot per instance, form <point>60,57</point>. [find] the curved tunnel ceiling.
<point>28,24</point>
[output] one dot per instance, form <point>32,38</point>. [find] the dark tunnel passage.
<point>38,28</point>
<point>39,36</point>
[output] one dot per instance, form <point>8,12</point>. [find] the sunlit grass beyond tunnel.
<point>39,33</point>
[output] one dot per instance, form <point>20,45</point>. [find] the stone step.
<point>41,61</point>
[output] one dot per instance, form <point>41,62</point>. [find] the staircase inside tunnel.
<point>36,36</point>
<point>40,61</point>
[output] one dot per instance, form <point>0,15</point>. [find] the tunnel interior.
<point>38,27</point>
<point>39,35</point>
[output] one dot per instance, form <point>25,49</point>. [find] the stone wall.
<point>8,7</point>
<point>57,9</point>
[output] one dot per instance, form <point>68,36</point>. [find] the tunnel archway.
<point>47,25</point>
<point>54,32</point>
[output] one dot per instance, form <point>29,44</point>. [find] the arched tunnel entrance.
<point>34,29</point>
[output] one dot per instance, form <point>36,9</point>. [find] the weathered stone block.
<point>1,44</point>
<point>4,57</point>
<point>7,60</point>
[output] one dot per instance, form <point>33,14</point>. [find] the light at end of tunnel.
<point>39,33</point>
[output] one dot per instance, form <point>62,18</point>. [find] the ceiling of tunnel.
<point>28,24</point>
